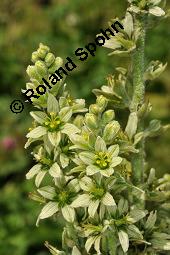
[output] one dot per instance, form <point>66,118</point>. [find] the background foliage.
<point>63,25</point>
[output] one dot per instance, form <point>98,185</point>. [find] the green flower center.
<point>53,123</point>
<point>63,198</point>
<point>97,193</point>
<point>102,160</point>
<point>46,162</point>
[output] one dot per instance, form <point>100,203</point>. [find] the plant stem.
<point>138,97</point>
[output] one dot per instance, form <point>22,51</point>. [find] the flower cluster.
<point>84,171</point>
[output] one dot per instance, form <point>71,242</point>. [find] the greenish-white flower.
<point>59,199</point>
<point>53,123</point>
<point>95,195</point>
<point>45,164</point>
<point>102,160</point>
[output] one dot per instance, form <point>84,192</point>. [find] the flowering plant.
<point>90,169</point>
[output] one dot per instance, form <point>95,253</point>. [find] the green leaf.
<point>134,232</point>
<point>150,223</point>
<point>124,240</point>
<point>37,132</point>
<point>122,206</point>
<point>136,215</point>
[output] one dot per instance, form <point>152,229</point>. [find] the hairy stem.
<point>138,97</point>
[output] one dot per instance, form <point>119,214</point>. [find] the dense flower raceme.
<point>83,171</point>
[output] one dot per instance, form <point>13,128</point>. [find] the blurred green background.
<point>64,25</point>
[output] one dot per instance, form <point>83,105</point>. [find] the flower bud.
<point>111,130</point>
<point>101,102</point>
<point>58,63</point>
<point>94,108</point>
<point>108,116</point>
<point>35,57</point>
<point>91,120</point>
<point>41,68</point>
<point>78,121</point>
<point>32,72</point>
<point>49,59</point>
<point>42,51</point>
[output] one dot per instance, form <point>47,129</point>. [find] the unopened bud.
<point>42,51</point>
<point>35,57</point>
<point>102,102</point>
<point>108,116</point>
<point>32,72</point>
<point>151,177</point>
<point>94,108</point>
<point>91,120</point>
<point>41,68</point>
<point>49,59</point>
<point>78,121</point>
<point>58,63</point>
<point>111,130</point>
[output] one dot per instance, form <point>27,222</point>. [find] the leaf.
<point>37,132</point>
<point>53,250</point>
<point>33,171</point>
<point>55,170</point>
<point>47,192</point>
<point>39,116</point>
<point>124,240</point>
<point>68,213</point>
<point>113,150</point>
<point>64,160</point>
<point>108,200</point>
<point>81,201</point>
<point>52,104</point>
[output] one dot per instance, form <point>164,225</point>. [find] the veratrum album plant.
<point>90,169</point>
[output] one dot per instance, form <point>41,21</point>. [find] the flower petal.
<point>39,116</point>
<point>55,170</point>
<point>33,171</point>
<point>39,178</point>
<point>90,170</point>
<point>52,104</point>
<point>54,138</point>
<point>100,144</point>
<point>37,132</point>
<point>64,160</point>
<point>48,210</point>
<point>113,150</point>
<point>87,157</point>
<point>116,161</point>
<point>47,192</point>
<point>93,205</point>
<point>108,200</point>
<point>81,201</point>
<point>68,213</point>
<point>65,114</point>
<point>70,129</point>
<point>86,183</point>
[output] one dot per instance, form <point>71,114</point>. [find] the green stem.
<point>138,97</point>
